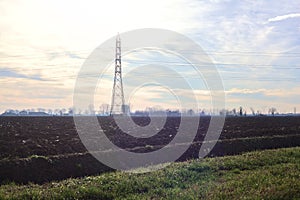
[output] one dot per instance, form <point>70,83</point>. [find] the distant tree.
<point>202,112</point>
<point>57,112</point>
<point>234,111</point>
<point>91,109</point>
<point>63,111</point>
<point>50,111</point>
<point>41,110</point>
<point>272,111</point>
<point>223,112</point>
<point>258,112</point>
<point>71,111</point>
<point>241,111</point>
<point>86,112</point>
<point>104,109</point>
<point>253,111</point>
<point>190,112</point>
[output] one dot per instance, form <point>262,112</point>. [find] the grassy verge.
<point>269,174</point>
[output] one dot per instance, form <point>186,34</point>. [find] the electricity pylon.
<point>117,100</point>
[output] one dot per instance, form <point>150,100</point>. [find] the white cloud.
<point>267,92</point>
<point>283,17</point>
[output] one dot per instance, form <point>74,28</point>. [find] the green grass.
<point>270,174</point>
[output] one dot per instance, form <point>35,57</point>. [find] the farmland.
<point>41,149</point>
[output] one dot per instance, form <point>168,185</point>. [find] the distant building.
<point>140,113</point>
<point>126,109</point>
<point>174,113</point>
<point>37,114</point>
<point>9,113</point>
<point>23,113</point>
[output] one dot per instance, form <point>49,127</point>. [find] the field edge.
<point>269,174</point>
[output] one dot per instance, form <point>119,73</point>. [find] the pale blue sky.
<point>254,44</point>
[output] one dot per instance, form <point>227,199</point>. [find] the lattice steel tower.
<point>117,100</point>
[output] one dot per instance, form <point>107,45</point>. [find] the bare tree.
<point>56,112</point>
<point>41,110</point>
<point>104,109</point>
<point>190,112</point>
<point>252,110</point>
<point>71,111</point>
<point>241,111</point>
<point>91,109</point>
<point>234,111</point>
<point>63,111</point>
<point>50,112</point>
<point>272,111</point>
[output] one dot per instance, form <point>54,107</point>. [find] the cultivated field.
<point>40,149</point>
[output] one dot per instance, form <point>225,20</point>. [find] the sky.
<point>255,46</point>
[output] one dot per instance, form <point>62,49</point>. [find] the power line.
<point>275,66</point>
<point>208,52</point>
<point>221,66</point>
<point>236,78</point>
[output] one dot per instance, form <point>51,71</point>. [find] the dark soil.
<point>41,149</point>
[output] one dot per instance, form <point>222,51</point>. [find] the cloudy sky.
<point>255,46</point>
